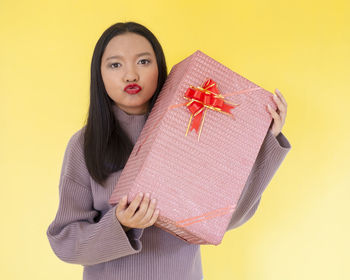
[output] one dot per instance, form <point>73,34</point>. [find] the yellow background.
<point>301,228</point>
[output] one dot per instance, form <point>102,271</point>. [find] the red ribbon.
<point>202,98</point>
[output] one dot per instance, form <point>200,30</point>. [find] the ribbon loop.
<point>189,93</point>
<point>207,100</point>
<point>217,102</point>
<point>195,107</point>
<point>198,95</point>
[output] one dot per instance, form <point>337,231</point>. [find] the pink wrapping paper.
<point>197,181</point>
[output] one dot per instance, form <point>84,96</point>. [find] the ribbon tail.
<point>226,108</point>
<point>196,122</point>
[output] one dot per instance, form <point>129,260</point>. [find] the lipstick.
<point>132,88</point>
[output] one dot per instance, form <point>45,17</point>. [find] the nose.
<point>131,75</point>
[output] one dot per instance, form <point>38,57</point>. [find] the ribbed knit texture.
<point>86,230</point>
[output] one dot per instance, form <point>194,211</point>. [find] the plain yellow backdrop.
<point>301,228</point>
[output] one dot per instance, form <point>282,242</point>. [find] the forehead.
<point>128,45</point>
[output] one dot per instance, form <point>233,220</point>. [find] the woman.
<point>128,71</point>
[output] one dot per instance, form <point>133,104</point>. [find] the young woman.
<point>128,70</point>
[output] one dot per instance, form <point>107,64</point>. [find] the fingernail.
<point>124,197</point>
<point>140,194</point>
<point>147,195</point>
<point>268,105</point>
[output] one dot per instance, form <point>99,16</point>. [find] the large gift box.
<point>197,148</point>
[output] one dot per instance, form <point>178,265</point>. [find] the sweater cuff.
<point>282,140</point>
<point>277,147</point>
<point>135,233</point>
<point>132,236</point>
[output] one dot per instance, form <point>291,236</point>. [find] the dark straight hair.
<point>107,147</point>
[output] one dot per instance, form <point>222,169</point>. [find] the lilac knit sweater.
<point>86,231</point>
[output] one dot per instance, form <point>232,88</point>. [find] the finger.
<point>130,211</point>
<point>274,114</point>
<point>122,204</point>
<point>282,108</point>
<point>150,211</point>
<point>279,103</point>
<point>154,218</point>
<point>281,96</point>
<point>143,209</point>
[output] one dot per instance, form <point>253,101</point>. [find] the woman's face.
<point>122,64</point>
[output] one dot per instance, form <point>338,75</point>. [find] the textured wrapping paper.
<point>196,166</point>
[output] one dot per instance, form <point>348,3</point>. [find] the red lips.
<point>132,88</point>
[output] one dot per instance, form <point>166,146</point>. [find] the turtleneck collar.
<point>132,124</point>
<point>124,116</point>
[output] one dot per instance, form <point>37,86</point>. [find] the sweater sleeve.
<point>79,233</point>
<point>271,154</point>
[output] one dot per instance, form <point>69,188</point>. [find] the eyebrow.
<point>138,55</point>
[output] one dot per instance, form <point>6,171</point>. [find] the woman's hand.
<point>144,217</point>
<point>279,117</point>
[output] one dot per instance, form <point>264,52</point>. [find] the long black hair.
<point>107,147</point>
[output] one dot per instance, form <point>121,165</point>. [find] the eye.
<point>112,65</point>
<point>145,60</point>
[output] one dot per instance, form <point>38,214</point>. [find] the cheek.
<point>107,80</point>
<point>153,76</point>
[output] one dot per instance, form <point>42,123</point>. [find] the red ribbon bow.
<point>202,98</point>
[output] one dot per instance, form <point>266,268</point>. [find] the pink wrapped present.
<point>197,148</point>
